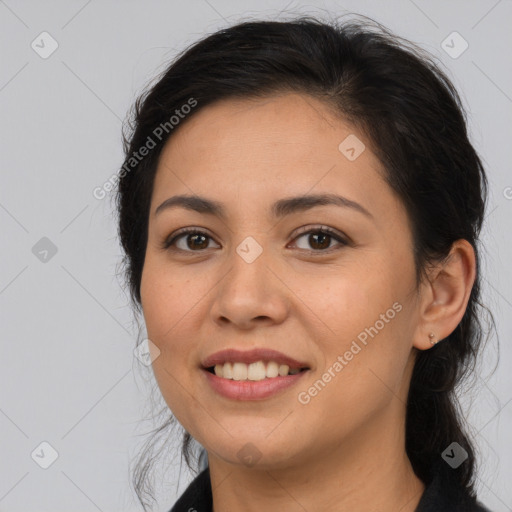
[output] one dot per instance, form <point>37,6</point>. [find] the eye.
<point>193,238</point>
<point>320,239</point>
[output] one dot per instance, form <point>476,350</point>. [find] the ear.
<point>445,295</point>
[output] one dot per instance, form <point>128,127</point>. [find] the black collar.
<point>439,496</point>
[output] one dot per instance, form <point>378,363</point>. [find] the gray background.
<point>69,376</point>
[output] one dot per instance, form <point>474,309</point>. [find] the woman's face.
<point>261,276</point>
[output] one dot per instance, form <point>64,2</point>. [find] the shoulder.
<point>442,495</point>
<point>197,496</point>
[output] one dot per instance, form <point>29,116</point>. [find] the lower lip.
<point>251,390</point>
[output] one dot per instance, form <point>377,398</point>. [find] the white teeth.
<point>283,370</point>
<point>239,371</point>
<point>254,371</point>
<point>272,369</point>
<point>227,371</point>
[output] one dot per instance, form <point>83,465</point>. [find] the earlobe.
<point>445,295</point>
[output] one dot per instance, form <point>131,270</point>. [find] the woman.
<point>300,208</point>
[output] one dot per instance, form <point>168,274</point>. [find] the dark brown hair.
<point>407,107</point>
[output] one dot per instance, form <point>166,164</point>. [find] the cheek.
<point>351,299</point>
<point>171,307</point>
<point>157,306</point>
<point>163,307</point>
<point>364,322</point>
<point>163,299</point>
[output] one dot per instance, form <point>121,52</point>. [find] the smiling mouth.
<point>258,380</point>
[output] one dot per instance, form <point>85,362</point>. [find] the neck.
<point>370,472</point>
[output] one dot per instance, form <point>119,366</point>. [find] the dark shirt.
<point>437,497</point>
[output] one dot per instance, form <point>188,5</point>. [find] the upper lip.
<point>251,356</point>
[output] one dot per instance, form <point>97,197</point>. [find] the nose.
<point>250,293</point>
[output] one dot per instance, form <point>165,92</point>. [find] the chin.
<point>257,453</point>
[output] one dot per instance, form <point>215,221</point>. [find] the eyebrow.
<point>279,209</point>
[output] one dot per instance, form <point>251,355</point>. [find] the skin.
<point>345,449</point>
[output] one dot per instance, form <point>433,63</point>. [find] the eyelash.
<point>170,241</point>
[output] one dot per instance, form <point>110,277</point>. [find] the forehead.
<point>233,126</point>
<point>258,148</point>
